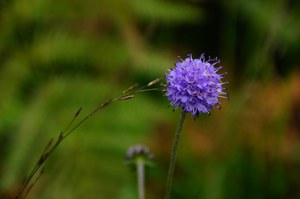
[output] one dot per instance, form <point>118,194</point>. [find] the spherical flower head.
<point>195,86</point>
<point>138,152</point>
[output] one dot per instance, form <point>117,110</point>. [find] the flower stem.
<point>141,177</point>
<point>173,155</point>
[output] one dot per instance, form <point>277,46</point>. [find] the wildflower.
<point>139,150</point>
<point>195,86</point>
<point>138,157</point>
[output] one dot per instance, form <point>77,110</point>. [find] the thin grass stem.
<point>49,149</point>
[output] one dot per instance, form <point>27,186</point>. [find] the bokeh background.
<point>59,55</point>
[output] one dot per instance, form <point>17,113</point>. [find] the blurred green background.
<point>59,55</point>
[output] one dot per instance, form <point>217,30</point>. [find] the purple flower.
<point>139,150</point>
<point>195,86</point>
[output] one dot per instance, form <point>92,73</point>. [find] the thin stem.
<point>126,95</point>
<point>141,177</point>
<point>173,155</point>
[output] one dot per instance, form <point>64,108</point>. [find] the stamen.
<point>224,82</point>
<point>224,97</point>
<point>180,58</point>
<point>219,68</point>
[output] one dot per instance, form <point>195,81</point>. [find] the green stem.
<point>173,155</point>
<point>141,177</point>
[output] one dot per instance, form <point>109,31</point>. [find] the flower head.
<point>139,150</point>
<point>195,86</point>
